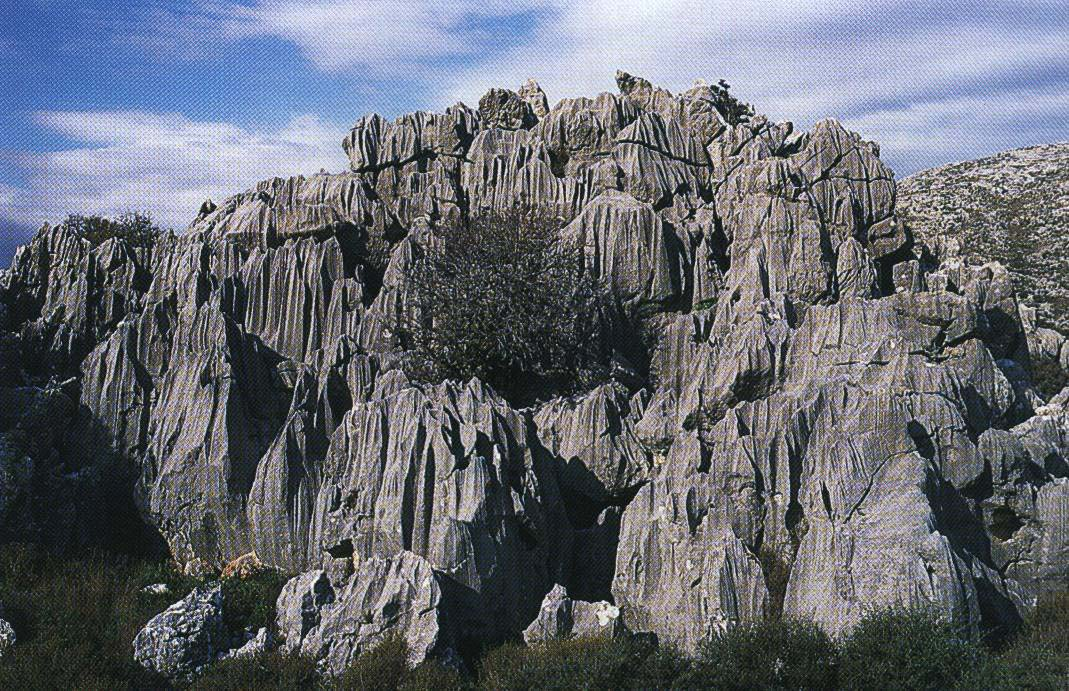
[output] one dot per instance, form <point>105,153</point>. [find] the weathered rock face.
<point>185,637</point>
<point>449,474</point>
<point>830,421</point>
<point>334,620</point>
<point>1012,208</point>
<point>562,617</point>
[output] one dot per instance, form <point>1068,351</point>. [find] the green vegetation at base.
<point>76,619</point>
<point>250,602</point>
<point>581,664</point>
<point>905,650</point>
<point>765,655</point>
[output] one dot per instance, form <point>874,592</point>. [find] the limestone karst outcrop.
<point>829,421</point>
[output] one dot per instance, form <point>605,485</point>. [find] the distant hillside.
<point>1013,207</point>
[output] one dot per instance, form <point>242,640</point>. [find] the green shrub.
<point>1037,657</point>
<point>733,110</point>
<point>766,655</point>
<point>1019,667</point>
<point>504,298</point>
<point>586,663</point>
<point>1048,377</point>
<point>268,671</point>
<point>385,668</point>
<point>896,649</point>
<point>249,603</point>
<point>1048,624</point>
<point>74,619</point>
<point>135,228</point>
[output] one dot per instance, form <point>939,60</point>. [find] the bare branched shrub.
<point>503,297</point>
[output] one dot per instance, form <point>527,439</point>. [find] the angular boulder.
<point>186,637</point>
<point>562,617</point>
<point>334,620</point>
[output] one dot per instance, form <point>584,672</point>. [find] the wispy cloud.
<point>383,37</point>
<point>870,64</point>
<point>166,164</point>
<point>931,82</point>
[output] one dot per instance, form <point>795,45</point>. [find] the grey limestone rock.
<point>599,455</point>
<point>333,621</point>
<point>507,110</point>
<point>532,93</point>
<point>257,644</point>
<point>562,617</point>
<point>821,415</point>
<point>184,638</point>
<point>7,634</point>
<point>7,637</point>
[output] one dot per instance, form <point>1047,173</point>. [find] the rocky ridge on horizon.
<point>829,422</point>
<point>1012,207</point>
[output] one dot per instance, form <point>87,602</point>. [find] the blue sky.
<point>107,106</point>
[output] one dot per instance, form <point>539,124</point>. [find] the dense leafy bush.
<point>504,298</point>
<point>136,228</point>
<point>895,649</point>
<point>766,655</point>
<point>250,602</point>
<point>1048,377</point>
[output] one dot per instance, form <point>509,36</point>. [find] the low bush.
<point>267,671</point>
<point>75,620</point>
<point>385,668</point>
<point>1037,658</point>
<point>897,649</point>
<point>249,603</point>
<point>584,663</point>
<point>766,655</point>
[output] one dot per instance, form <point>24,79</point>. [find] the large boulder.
<point>186,637</point>
<point>334,620</point>
<point>561,617</point>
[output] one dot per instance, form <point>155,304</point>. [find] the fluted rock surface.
<point>333,620</point>
<point>824,419</point>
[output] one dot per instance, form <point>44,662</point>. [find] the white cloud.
<point>166,164</point>
<point>387,37</point>
<point>8,195</point>
<point>887,67</point>
<point>924,135</point>
<point>876,64</point>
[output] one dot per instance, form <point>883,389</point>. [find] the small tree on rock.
<point>733,110</point>
<point>135,228</point>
